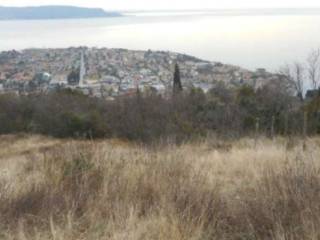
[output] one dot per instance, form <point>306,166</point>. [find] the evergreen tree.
<point>177,86</point>
<point>74,77</point>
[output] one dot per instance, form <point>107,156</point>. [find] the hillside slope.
<point>116,190</point>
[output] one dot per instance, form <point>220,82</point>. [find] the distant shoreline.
<point>56,19</point>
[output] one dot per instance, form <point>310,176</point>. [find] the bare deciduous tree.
<point>313,68</point>
<point>295,74</point>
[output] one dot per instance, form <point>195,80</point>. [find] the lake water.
<point>248,41</point>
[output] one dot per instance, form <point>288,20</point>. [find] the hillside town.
<point>109,73</point>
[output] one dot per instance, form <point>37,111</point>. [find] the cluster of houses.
<point>110,73</point>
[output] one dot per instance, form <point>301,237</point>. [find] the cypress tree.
<point>177,86</point>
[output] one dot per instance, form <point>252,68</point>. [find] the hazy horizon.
<point>143,5</point>
<point>175,9</point>
<point>214,11</point>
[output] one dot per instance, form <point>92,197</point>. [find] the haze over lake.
<point>250,41</point>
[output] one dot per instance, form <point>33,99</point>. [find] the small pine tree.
<point>177,86</point>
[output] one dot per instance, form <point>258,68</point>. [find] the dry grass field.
<point>65,189</point>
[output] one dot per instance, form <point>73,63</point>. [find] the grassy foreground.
<point>63,189</point>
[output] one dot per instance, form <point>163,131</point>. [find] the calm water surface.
<point>248,41</point>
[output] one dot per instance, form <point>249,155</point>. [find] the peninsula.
<point>105,72</point>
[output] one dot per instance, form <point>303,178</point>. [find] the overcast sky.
<point>168,4</point>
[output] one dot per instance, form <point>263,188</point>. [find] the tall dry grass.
<point>51,189</point>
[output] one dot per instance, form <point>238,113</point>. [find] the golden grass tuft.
<point>64,189</point>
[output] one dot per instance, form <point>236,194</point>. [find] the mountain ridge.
<point>53,12</point>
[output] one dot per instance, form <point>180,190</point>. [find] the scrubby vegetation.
<point>228,112</point>
<point>112,189</point>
